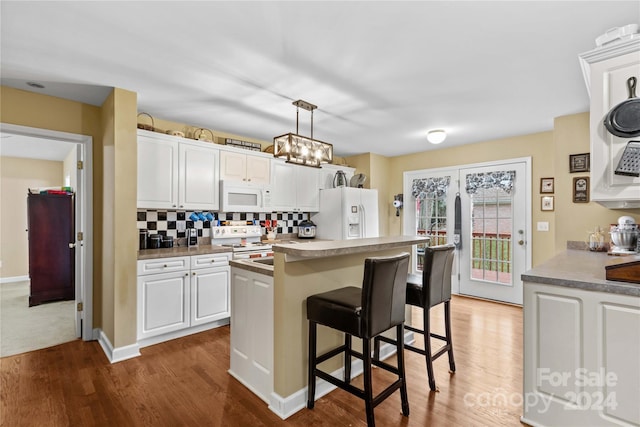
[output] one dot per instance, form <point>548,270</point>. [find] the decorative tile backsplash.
<point>174,223</point>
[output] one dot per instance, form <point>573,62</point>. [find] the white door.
<point>78,185</point>
<point>495,230</point>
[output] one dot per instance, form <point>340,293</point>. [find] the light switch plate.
<point>543,226</point>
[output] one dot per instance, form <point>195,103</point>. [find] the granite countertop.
<point>582,270</point>
<point>181,251</point>
<point>251,265</point>
<point>328,248</point>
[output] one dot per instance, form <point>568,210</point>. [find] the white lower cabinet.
<point>581,357</point>
<point>182,295</point>
<point>210,294</point>
<point>163,303</point>
<point>252,331</point>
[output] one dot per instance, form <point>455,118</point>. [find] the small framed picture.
<point>578,163</point>
<point>581,189</point>
<point>546,185</point>
<point>546,203</point>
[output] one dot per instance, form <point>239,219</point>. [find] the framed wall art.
<point>578,163</point>
<point>546,185</point>
<point>581,189</point>
<point>546,203</point>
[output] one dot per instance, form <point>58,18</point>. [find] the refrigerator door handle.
<point>363,223</point>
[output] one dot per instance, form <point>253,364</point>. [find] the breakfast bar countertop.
<point>582,270</point>
<point>329,248</point>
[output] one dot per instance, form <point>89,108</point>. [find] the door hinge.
<point>80,165</point>
<point>80,236</point>
<point>80,307</point>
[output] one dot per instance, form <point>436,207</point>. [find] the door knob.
<point>72,245</point>
<point>521,242</point>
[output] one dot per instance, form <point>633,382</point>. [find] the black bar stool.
<point>433,288</point>
<point>363,313</point>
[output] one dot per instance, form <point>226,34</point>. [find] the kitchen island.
<point>581,343</point>
<point>273,363</point>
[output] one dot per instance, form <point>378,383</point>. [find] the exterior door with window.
<point>495,216</point>
<point>431,195</point>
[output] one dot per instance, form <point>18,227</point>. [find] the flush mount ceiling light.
<point>302,150</point>
<point>436,136</point>
<point>35,85</point>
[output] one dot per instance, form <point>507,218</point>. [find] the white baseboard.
<point>14,279</point>
<point>117,354</point>
<point>284,407</point>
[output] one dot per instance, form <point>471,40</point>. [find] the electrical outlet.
<point>543,226</point>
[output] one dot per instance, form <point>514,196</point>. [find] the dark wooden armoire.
<point>51,229</point>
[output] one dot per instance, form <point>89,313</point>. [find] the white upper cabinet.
<point>307,189</point>
<point>236,166</point>
<point>295,188</point>
<point>176,174</point>
<point>198,177</point>
<point>157,173</point>
<point>284,186</point>
<point>606,71</point>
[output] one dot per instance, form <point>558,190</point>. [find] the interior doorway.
<point>81,146</point>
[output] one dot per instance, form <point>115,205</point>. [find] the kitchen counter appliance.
<point>624,236</point>
<point>347,213</point>
<point>306,229</point>
<point>243,239</point>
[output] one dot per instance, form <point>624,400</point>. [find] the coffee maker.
<point>192,237</point>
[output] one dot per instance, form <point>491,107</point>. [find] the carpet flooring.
<point>24,328</point>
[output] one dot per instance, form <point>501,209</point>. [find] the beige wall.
<point>16,177</point>
<point>573,221</point>
<point>119,208</point>
<point>114,171</point>
<point>125,234</point>
<point>549,152</point>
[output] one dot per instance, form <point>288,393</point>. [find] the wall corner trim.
<point>117,354</point>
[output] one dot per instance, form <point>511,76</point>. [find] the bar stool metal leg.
<point>311,388</point>
<point>447,326</point>
<point>368,385</point>
<point>427,348</point>
<point>347,358</point>
<point>400,353</point>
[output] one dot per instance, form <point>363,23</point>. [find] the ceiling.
<point>381,73</point>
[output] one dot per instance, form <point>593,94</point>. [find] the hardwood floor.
<point>185,382</point>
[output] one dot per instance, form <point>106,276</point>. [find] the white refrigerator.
<point>347,213</point>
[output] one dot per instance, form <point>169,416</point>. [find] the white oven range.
<point>242,238</point>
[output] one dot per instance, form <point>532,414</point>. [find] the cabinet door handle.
<point>194,273</point>
<point>165,266</point>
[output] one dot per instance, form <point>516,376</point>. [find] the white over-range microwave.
<point>238,196</point>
